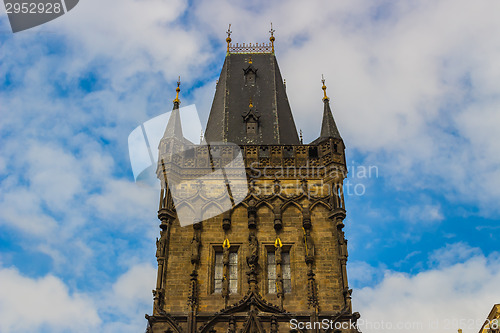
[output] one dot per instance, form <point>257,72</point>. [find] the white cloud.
<point>134,287</point>
<point>15,214</point>
<point>454,253</point>
<point>27,305</point>
<point>64,203</point>
<point>137,35</point>
<point>361,273</point>
<point>45,303</point>
<point>457,295</point>
<point>129,299</point>
<point>422,214</point>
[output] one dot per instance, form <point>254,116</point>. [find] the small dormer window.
<point>251,119</point>
<point>250,74</point>
<point>250,79</point>
<point>251,126</point>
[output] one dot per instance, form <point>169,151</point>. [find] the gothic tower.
<point>264,255</point>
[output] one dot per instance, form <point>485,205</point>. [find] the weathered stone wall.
<point>304,204</point>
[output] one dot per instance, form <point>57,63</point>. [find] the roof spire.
<point>324,88</point>
<point>174,127</point>
<point>328,127</point>
<point>272,39</point>
<point>178,89</point>
<point>228,39</point>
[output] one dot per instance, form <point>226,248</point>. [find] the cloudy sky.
<point>415,87</point>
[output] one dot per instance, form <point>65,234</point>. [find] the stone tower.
<point>274,258</point>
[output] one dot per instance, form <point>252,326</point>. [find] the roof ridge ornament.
<point>178,89</point>
<point>272,39</point>
<point>325,98</point>
<point>250,48</point>
<point>228,39</point>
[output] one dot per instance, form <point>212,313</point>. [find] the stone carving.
<point>343,245</point>
<point>347,298</point>
<point>193,297</point>
<point>278,223</point>
<point>313,292</point>
<point>225,262</point>
<point>252,215</point>
<point>160,245</point>
<point>158,300</point>
<point>274,324</point>
<point>195,249</point>
<point>306,217</point>
<point>252,260</point>
<point>225,255</point>
<point>232,325</point>
<point>277,255</point>
<point>225,287</point>
<point>309,245</point>
<point>226,220</point>
<point>253,257</point>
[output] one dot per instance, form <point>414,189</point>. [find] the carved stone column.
<point>225,270</point>
<point>252,260</point>
<point>193,292</point>
<point>166,216</point>
<point>278,222</point>
<point>252,215</point>
<point>280,292</point>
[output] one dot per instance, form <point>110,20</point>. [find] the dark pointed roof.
<point>328,127</point>
<point>174,125</point>
<point>253,77</point>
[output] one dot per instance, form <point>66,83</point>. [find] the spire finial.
<point>272,39</point>
<point>178,89</point>
<point>228,39</point>
<point>301,140</point>
<point>324,88</point>
<point>250,105</point>
<point>250,60</point>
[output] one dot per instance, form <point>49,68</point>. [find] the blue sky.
<point>415,94</point>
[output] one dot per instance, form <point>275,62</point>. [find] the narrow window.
<point>287,276</point>
<point>219,268</point>
<point>272,272</point>
<point>219,272</point>
<point>233,272</point>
